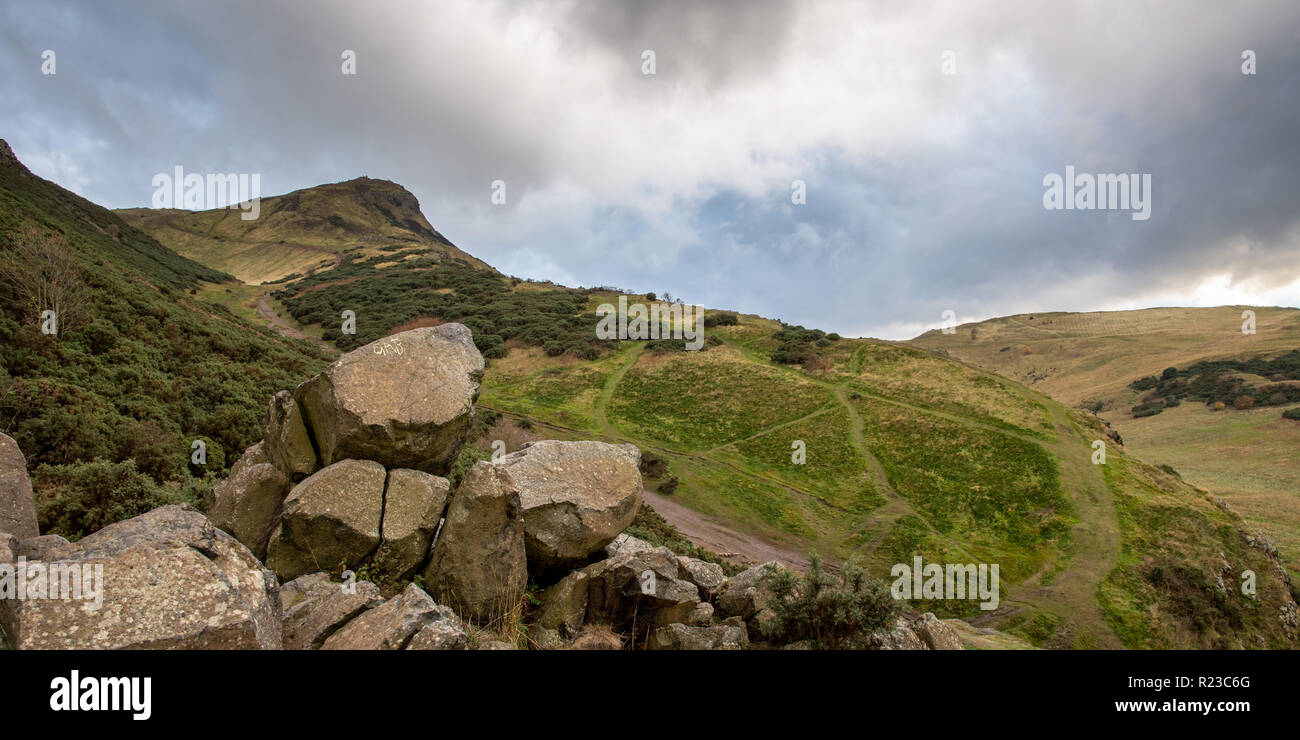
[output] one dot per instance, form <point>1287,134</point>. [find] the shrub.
<point>832,612</point>
<point>653,466</point>
<point>1243,402</point>
<point>78,499</point>
<point>724,318</point>
<point>669,487</point>
<point>1292,414</point>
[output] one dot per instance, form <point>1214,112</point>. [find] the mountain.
<point>769,442</point>
<point>107,411</point>
<point>1113,362</point>
<point>300,232</point>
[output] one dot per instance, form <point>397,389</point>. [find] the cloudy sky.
<point>922,132</point>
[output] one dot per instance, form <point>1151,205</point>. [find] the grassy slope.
<point>151,370</point>
<point>1247,457</point>
<point>300,231</point>
<point>907,453</point>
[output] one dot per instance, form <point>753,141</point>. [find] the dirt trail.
<point>713,534</point>
<point>277,322</point>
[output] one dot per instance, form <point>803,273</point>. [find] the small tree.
<point>832,612</point>
<point>42,274</point>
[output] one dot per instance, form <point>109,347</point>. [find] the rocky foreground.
<point>350,478</point>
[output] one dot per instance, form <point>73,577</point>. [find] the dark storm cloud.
<point>924,190</point>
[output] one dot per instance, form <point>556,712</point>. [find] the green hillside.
<point>136,374</point>
<point>1184,387</point>
<point>301,232</point>
<point>905,452</point>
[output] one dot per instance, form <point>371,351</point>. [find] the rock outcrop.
<point>478,566</point>
<point>288,444</point>
<point>165,579</point>
<point>332,517</point>
<point>413,505</point>
<point>315,608</point>
<point>395,624</point>
<point>17,507</point>
<point>405,401</point>
<point>730,635</point>
<point>247,503</point>
<point>576,496</point>
<point>646,585</point>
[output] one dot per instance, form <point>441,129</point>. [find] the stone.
<point>288,444</point>
<point>391,625</point>
<point>901,637</point>
<point>478,566</point>
<point>413,505</point>
<point>45,547</point>
<point>762,626</point>
<point>744,596</point>
<point>626,544</point>
<point>564,605</point>
<point>315,608</point>
<point>708,576</point>
<point>247,503</point>
<point>684,637</point>
<point>597,638</point>
<point>405,401</point>
<point>167,579</point>
<point>9,548</point>
<point>17,507</point>
<point>332,517</point>
<point>701,615</point>
<point>643,587</point>
<point>444,634</point>
<point>576,498</point>
<point>936,633</point>
<point>496,645</point>
<point>546,639</point>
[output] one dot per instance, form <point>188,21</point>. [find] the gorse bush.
<point>75,500</point>
<point>385,298</point>
<point>1213,382</point>
<point>147,370</point>
<point>832,612</point>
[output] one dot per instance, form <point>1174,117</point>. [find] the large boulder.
<point>645,587</point>
<point>478,566</point>
<point>288,445</point>
<point>394,624</point>
<point>413,505</point>
<point>165,579</point>
<point>247,503</point>
<point>406,400</point>
<point>332,517</point>
<point>576,496</point>
<point>17,507</point>
<point>315,608</point>
<point>729,636</point>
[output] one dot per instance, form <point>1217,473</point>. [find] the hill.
<point>1113,363</point>
<point>301,232</point>
<point>788,437</point>
<point>107,410</point>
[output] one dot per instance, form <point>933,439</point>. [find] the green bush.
<point>833,613</point>
<point>78,499</point>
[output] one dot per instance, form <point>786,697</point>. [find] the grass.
<point>701,400</point>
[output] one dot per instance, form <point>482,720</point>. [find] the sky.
<point>922,135</point>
